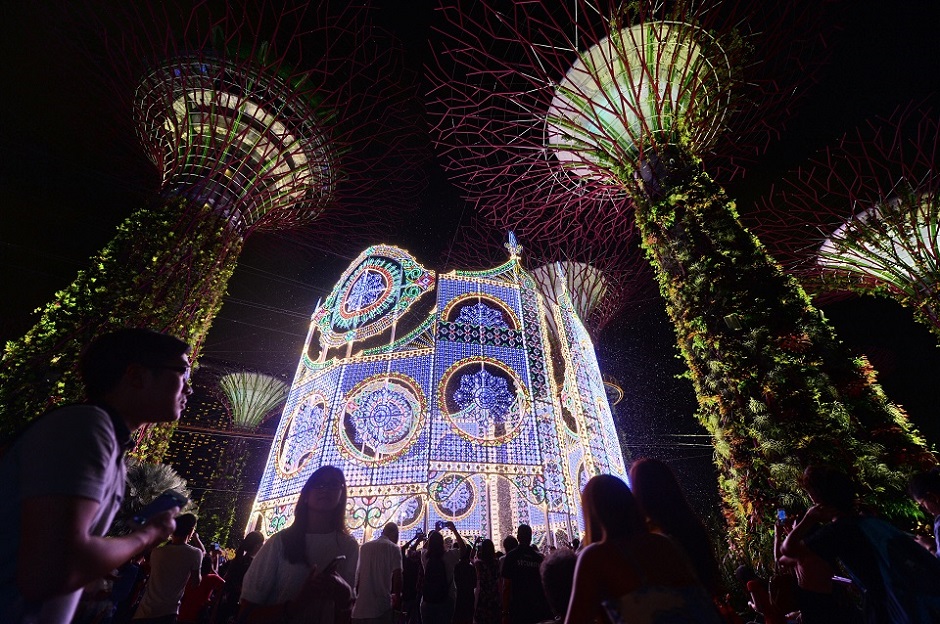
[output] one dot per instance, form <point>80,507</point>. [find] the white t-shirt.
<point>272,579</point>
<point>170,568</point>
<point>378,559</point>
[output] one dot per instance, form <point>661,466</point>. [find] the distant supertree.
<point>550,112</point>
<point>250,398</point>
<point>244,141</point>
<point>864,216</point>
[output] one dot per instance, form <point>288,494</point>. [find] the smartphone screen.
<point>167,500</point>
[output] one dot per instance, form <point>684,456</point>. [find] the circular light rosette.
<point>652,81</point>
<point>409,513</point>
<point>454,496</point>
<point>382,418</point>
<point>368,293</point>
<point>372,294</point>
<point>483,400</point>
<point>301,435</point>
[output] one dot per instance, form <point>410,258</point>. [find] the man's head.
<point>510,543</point>
<point>558,578</point>
<point>390,531</point>
<point>924,488</point>
<point>829,487</point>
<point>524,534</point>
<point>185,526</point>
<point>142,373</point>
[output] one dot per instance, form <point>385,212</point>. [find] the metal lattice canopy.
<point>545,111</point>
<point>864,215</point>
<point>239,138</point>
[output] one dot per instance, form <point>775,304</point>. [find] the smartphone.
<point>438,525</point>
<point>332,565</point>
<point>167,500</point>
<point>781,515</point>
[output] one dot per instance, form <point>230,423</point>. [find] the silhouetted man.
<point>378,579</point>
<point>64,476</point>
<point>523,597</point>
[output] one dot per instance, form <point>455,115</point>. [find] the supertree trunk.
<point>166,269</point>
<point>775,388</point>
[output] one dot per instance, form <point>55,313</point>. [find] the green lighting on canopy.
<point>642,85</point>
<point>252,397</point>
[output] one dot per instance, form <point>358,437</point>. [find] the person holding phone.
<point>438,591</point>
<point>64,476</point>
<point>306,572</point>
<point>175,567</point>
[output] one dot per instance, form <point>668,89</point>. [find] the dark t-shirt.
<point>76,451</point>
<point>527,603</point>
<point>842,542</point>
<point>900,579</point>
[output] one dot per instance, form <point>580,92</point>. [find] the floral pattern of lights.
<point>368,289</point>
<point>454,497</point>
<point>383,416</point>
<point>485,398</point>
<point>302,436</point>
<point>481,314</point>
<point>488,405</point>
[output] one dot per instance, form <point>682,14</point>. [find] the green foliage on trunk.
<point>775,387</point>
<point>166,269</point>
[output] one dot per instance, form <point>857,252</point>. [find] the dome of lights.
<point>467,396</point>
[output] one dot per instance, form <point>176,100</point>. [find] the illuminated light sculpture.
<point>573,119</point>
<point>441,398</point>
<point>244,142</point>
<point>864,216</point>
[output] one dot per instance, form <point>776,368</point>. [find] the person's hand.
<point>450,525</point>
<point>326,584</point>
<point>159,527</point>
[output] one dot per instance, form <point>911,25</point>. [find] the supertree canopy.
<point>444,396</point>
<point>549,114</point>
<point>864,216</point>
<point>251,397</point>
<point>244,141</point>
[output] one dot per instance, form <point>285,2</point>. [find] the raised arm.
<point>58,554</point>
<point>450,525</point>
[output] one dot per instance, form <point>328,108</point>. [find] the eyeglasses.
<point>327,485</point>
<point>184,371</point>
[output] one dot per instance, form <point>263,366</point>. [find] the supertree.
<point>864,215</point>
<point>547,113</point>
<point>250,398</point>
<point>244,141</point>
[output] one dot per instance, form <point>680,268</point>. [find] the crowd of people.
<point>646,557</point>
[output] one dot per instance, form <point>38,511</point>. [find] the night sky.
<point>65,183</point>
